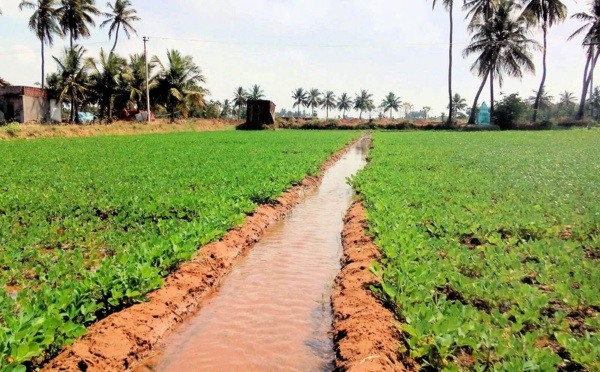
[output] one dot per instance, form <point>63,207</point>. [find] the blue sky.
<point>343,46</point>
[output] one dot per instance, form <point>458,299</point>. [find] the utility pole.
<point>148,112</point>
<point>592,82</point>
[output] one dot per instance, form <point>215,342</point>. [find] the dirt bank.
<point>364,332</point>
<point>31,131</point>
<point>124,338</point>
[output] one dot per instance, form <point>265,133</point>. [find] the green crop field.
<point>491,246</point>
<point>90,225</point>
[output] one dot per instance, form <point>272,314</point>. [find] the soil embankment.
<point>124,338</point>
<point>365,333</point>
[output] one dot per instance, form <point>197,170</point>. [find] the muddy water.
<point>272,312</point>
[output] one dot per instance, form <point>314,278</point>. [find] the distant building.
<point>27,104</point>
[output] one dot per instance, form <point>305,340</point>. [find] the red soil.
<point>122,339</point>
<point>365,333</point>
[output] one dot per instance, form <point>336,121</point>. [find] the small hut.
<point>259,113</point>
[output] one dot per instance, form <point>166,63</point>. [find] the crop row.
<point>90,225</point>
<point>491,247</point>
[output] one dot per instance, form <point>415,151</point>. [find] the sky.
<point>383,46</point>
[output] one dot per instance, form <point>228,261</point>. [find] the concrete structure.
<point>259,113</point>
<point>26,104</point>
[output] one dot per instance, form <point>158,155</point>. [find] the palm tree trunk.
<point>591,61</point>
<point>474,108</point>
<point>327,113</point>
<point>116,38</point>
<point>43,62</point>
<point>450,61</point>
<point>492,96</point>
<point>536,105</point>
<point>71,38</point>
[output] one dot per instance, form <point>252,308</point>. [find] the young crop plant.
<point>88,226</point>
<point>489,245</point>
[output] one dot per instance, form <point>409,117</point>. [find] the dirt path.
<point>124,338</point>
<point>365,333</point>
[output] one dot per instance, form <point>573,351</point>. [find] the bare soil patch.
<point>365,333</point>
<point>129,336</point>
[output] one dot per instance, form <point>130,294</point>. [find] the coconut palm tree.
<point>44,23</point>
<point>255,93</point>
<point>240,97</point>
<point>344,103</point>
<point>178,84</point>
<point>391,103</point>
<point>479,10</point>
<point>567,102</point>
<point>591,40</point>
<point>226,109</point>
<point>106,76</point>
<point>449,5</point>
<point>328,102</point>
<point>135,83</point>
<point>74,16</point>
<point>502,47</point>
<point>299,96</point>
<point>313,99</point>
<point>460,104</point>
<point>545,13</point>
<point>362,101</point>
<point>543,99</point>
<point>121,15</point>
<point>4,83</point>
<point>73,79</point>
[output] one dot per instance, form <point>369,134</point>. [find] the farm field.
<point>491,246</point>
<point>90,225</point>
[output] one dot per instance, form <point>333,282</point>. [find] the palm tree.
<point>106,75</point>
<point>426,110</point>
<point>299,96</point>
<point>344,103</point>
<point>240,97</point>
<point>178,84</point>
<point>43,22</point>
<point>4,83</point>
<point>122,15</point>
<point>543,99</point>
<point>391,103</point>
<point>73,79</point>
<point>362,101</point>
<point>546,13</point>
<point>226,109</point>
<point>567,102</point>
<point>460,104</point>
<point>255,93</point>
<point>590,41</point>
<point>449,5</point>
<point>313,99</point>
<point>74,16</point>
<point>135,83</point>
<point>502,46</point>
<point>328,102</point>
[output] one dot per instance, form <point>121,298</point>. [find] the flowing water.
<point>273,312</point>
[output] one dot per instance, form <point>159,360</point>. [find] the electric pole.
<point>148,112</point>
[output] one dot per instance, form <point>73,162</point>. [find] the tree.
<point>44,23</point>
<point>299,96</point>
<point>594,103</point>
<point>407,109</point>
<point>567,103</point>
<point>449,5</point>
<point>545,13</point>
<point>543,99</point>
<point>460,104</point>
<point>510,110</point>
<point>255,93</point>
<point>4,83</point>
<point>75,16</point>
<point>135,82</point>
<point>106,75</point>
<point>121,15</point>
<point>426,110</point>
<point>73,79</point>
<point>591,40</point>
<point>328,102</point>
<point>313,99</point>
<point>178,84</point>
<point>344,103</point>
<point>240,97</point>
<point>391,103</point>
<point>502,48</point>
<point>361,102</point>
<point>226,109</point>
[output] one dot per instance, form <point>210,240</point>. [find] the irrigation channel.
<point>273,311</point>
